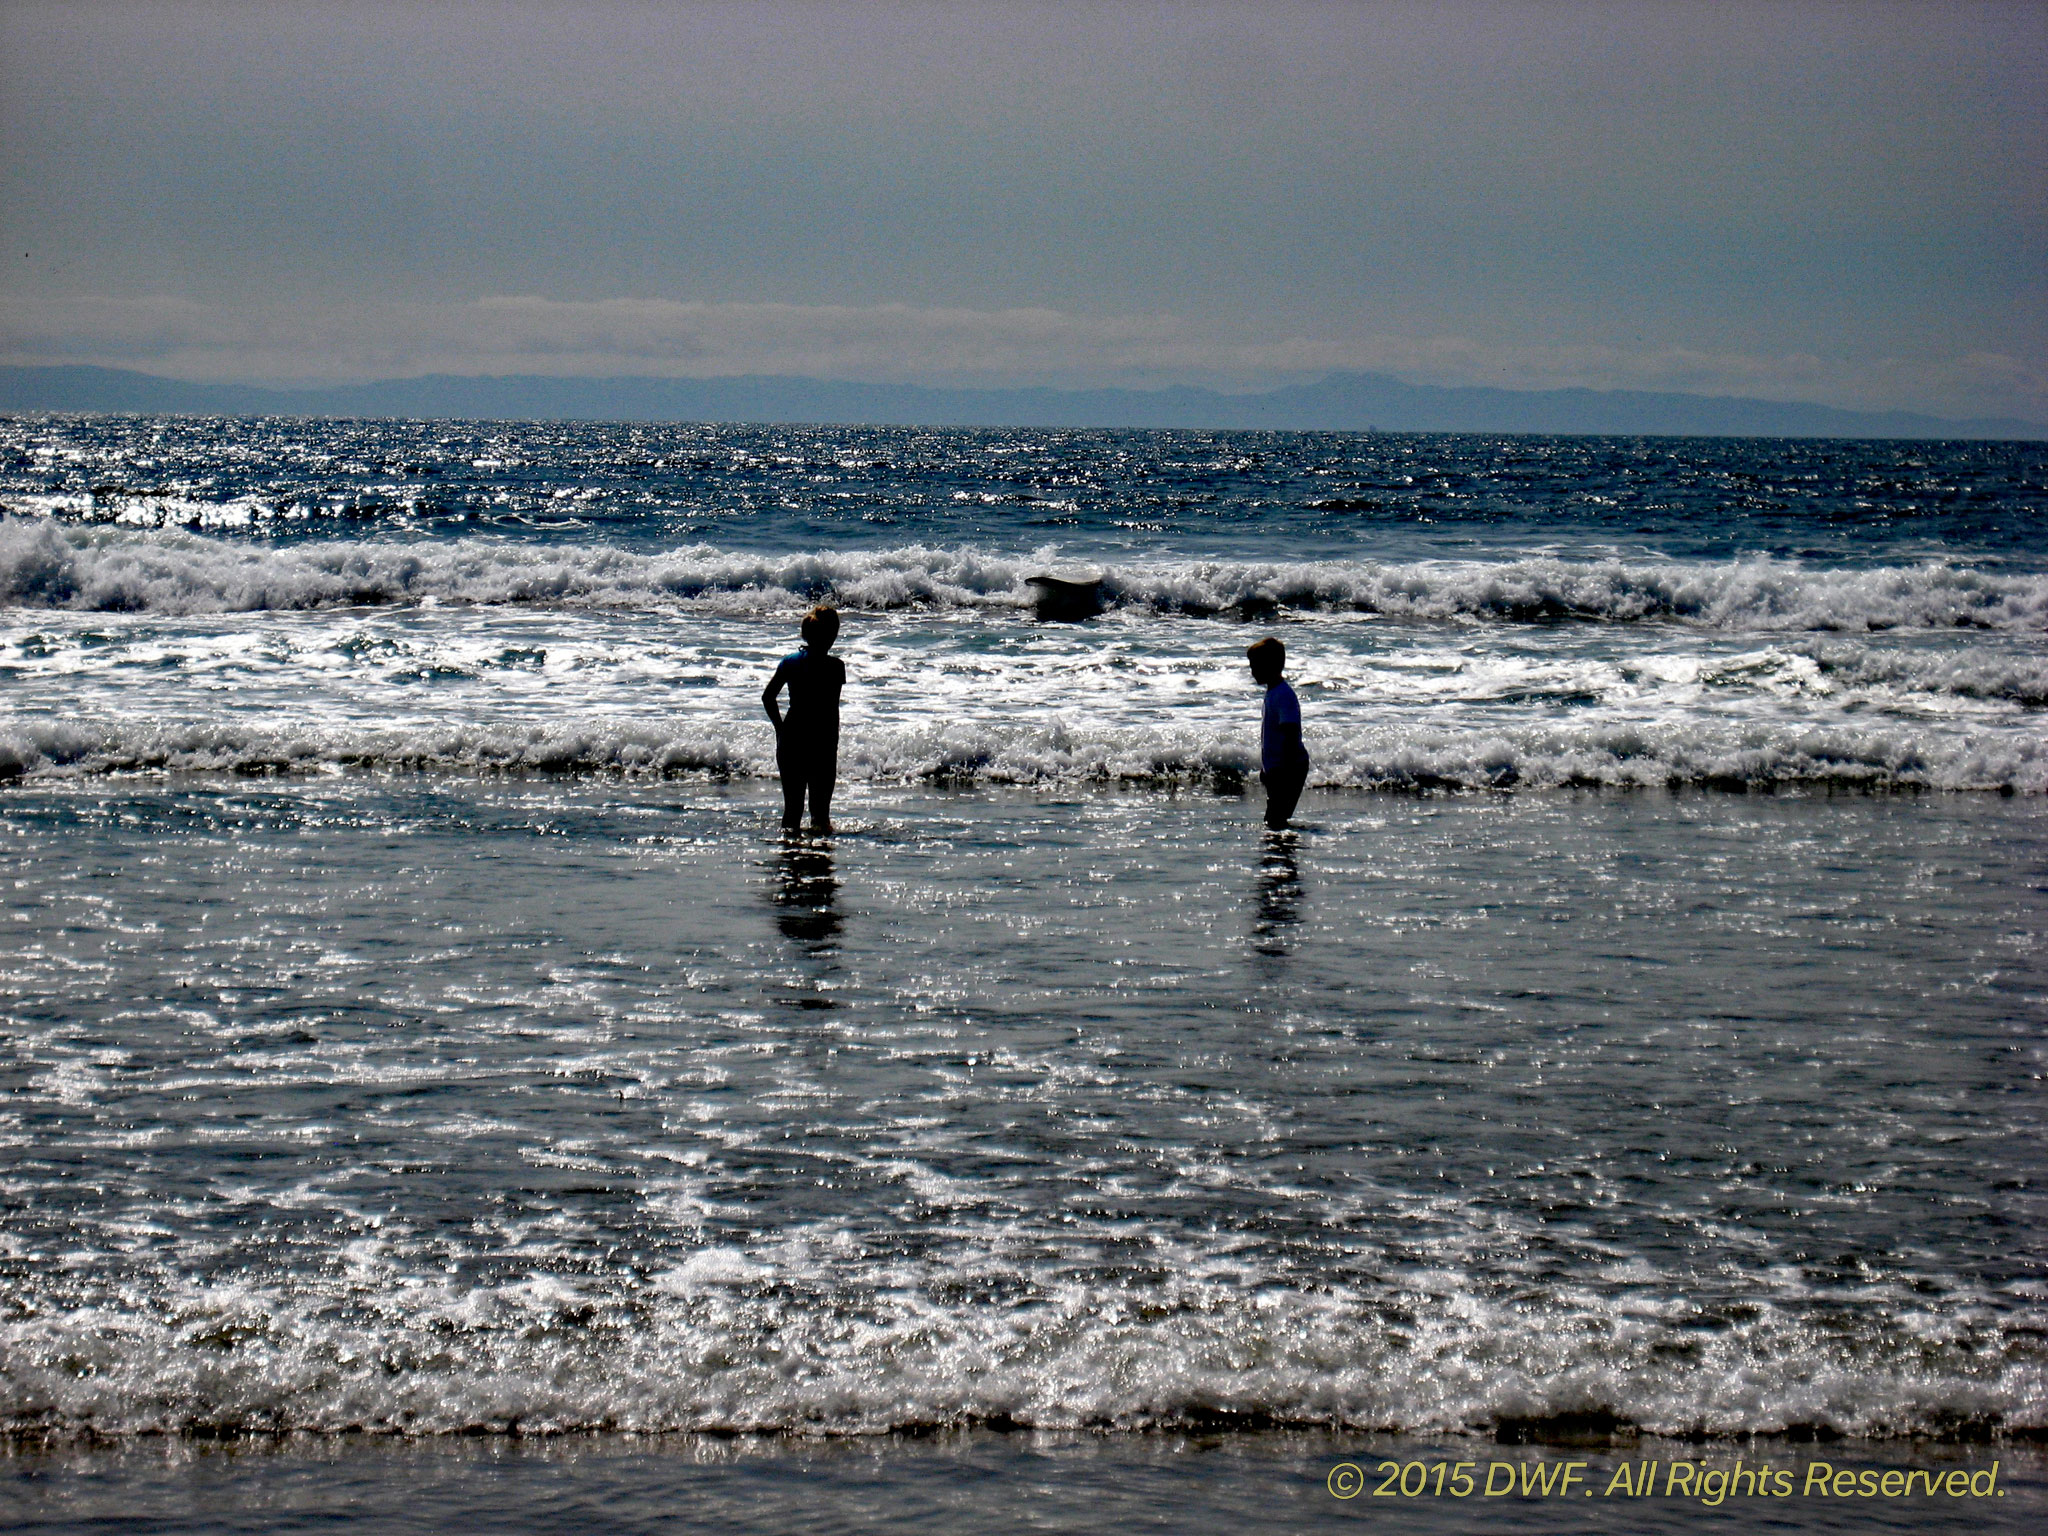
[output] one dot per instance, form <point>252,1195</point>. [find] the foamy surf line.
<point>1752,756</point>
<point>47,565</point>
<point>698,1349</point>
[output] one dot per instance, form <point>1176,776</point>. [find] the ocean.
<point>434,1085</point>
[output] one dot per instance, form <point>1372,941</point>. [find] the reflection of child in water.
<point>1282,758</point>
<point>807,738</point>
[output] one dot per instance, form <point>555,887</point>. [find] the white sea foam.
<point>1966,674</point>
<point>1754,754</point>
<point>45,564</point>
<point>723,1344</point>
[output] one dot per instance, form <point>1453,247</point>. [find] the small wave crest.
<point>44,564</point>
<point>1755,755</point>
<point>733,1348</point>
<point>1973,675</point>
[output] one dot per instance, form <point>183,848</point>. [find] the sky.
<point>1791,199</point>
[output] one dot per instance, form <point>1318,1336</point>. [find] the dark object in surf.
<point>1066,595</point>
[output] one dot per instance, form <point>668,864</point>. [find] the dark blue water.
<point>1097,493</point>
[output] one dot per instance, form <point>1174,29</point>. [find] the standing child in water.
<point>1283,761</point>
<point>807,738</point>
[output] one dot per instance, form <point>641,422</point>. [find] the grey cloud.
<point>1532,191</point>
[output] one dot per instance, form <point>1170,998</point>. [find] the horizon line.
<point>1302,393</point>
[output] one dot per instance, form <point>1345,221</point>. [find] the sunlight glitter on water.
<point>425,1105</point>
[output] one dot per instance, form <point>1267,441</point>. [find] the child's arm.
<point>1291,749</point>
<point>768,696</point>
<point>1287,729</point>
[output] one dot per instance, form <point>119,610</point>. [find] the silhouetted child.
<point>807,738</point>
<point>1283,761</point>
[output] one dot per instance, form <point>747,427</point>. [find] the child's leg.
<point>824,774</point>
<point>790,764</point>
<point>1283,793</point>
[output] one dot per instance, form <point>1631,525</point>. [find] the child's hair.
<point>1268,657</point>
<point>820,626</point>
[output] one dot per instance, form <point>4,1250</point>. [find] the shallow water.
<point>1204,1484</point>
<point>412,1103</point>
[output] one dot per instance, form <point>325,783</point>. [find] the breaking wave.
<point>1970,675</point>
<point>1754,755</point>
<point>46,565</point>
<point>721,1343</point>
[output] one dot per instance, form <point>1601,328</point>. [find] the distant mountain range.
<point>1345,402</point>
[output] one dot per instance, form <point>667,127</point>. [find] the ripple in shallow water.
<point>428,1105</point>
